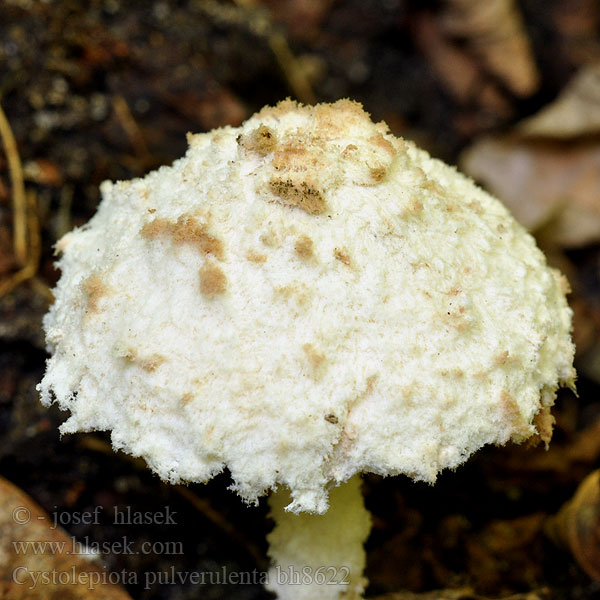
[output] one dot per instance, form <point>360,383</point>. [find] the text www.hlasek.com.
<point>324,575</point>
<point>87,547</point>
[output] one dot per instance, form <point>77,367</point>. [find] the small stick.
<point>243,13</point>
<point>91,442</point>
<point>32,254</point>
<point>131,128</point>
<point>19,203</point>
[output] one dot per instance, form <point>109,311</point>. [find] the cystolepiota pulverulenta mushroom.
<point>300,300</point>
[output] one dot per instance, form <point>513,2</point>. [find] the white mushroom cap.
<point>300,299</point>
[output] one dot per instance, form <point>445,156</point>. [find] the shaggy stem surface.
<point>320,556</point>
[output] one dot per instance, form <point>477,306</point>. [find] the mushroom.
<point>300,300</point>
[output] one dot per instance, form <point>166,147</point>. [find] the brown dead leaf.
<point>45,570</point>
<point>458,71</point>
<point>577,525</point>
<point>576,112</point>
<point>547,171</point>
<point>544,184</point>
<point>493,31</point>
<point>576,22</point>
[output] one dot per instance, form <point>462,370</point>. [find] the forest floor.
<point>107,89</point>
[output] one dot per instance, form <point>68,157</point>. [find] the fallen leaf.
<point>493,31</point>
<point>457,70</point>
<point>576,111</point>
<point>35,563</point>
<point>544,184</point>
<point>577,525</point>
<point>576,23</point>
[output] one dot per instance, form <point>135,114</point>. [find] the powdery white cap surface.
<point>300,299</point>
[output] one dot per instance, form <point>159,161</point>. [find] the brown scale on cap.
<point>212,281</point>
<point>381,142</point>
<point>298,295</point>
<point>513,415</point>
<point>317,361</point>
<point>148,363</point>
<point>185,230</point>
<point>262,141</point>
<point>378,173</point>
<point>256,257</point>
<point>95,290</point>
<point>304,247</point>
<point>299,195</point>
<point>501,358</point>
<point>343,256</point>
<point>544,423</point>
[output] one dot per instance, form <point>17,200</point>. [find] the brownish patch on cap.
<point>433,187</point>
<point>379,141</point>
<point>371,382</point>
<point>300,195</point>
<point>343,256</point>
<point>316,360</point>
<point>565,286</point>
<point>475,207</point>
<point>331,119</point>
<point>304,247</point>
<point>187,398</point>
<point>256,257</point>
<point>151,363</point>
<point>296,157</point>
<point>262,141</point>
<point>95,289</point>
<point>212,281</point>
<point>349,150</point>
<point>512,414</point>
<point>501,358</point>
<point>281,108</point>
<point>544,423</point>
<point>414,206</point>
<point>148,363</point>
<point>378,173</point>
<point>298,293</point>
<point>185,231</point>
<point>331,418</point>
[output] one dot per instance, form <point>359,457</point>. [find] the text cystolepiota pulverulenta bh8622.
<point>300,300</point>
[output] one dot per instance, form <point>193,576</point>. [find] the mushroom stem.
<point>319,556</point>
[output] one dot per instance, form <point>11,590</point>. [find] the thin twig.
<point>288,63</point>
<point>18,191</point>
<point>42,288</point>
<point>217,519</point>
<point>131,128</point>
<point>96,444</point>
<point>243,14</point>
<point>32,253</point>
